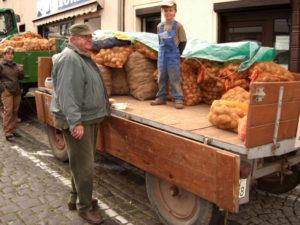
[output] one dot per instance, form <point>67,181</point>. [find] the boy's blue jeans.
<point>169,70</point>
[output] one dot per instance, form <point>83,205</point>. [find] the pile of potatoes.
<point>145,50</point>
<point>237,94</point>
<point>230,110</point>
<point>114,57</point>
<point>226,114</point>
<point>29,42</point>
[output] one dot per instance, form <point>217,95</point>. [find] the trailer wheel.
<point>57,143</point>
<point>175,206</point>
<point>272,183</point>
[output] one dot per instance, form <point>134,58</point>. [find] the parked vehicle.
<point>190,165</point>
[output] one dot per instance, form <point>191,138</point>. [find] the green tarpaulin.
<point>247,52</point>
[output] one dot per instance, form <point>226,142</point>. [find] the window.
<point>282,41</point>
<point>64,28</point>
<point>56,29</point>
<point>6,23</point>
<point>22,28</point>
<point>270,27</point>
<point>150,23</point>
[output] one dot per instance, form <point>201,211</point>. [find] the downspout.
<point>121,14</point>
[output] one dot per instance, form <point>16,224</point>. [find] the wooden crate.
<point>262,114</point>
<point>44,70</point>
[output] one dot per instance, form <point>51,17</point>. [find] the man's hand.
<point>78,132</point>
<point>112,101</point>
<point>20,67</point>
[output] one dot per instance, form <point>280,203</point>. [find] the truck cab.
<point>8,23</point>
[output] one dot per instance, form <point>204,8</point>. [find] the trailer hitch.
<point>285,169</point>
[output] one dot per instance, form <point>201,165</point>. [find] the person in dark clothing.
<point>10,74</point>
<point>79,104</point>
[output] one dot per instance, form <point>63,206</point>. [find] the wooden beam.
<point>295,38</point>
<point>246,4</point>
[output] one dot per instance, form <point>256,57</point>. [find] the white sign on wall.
<point>49,7</point>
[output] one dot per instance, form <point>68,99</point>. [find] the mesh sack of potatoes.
<point>192,93</point>
<point>212,89</point>
<point>226,114</point>
<point>237,94</point>
<point>269,72</point>
<point>106,75</point>
<point>140,70</point>
<point>242,128</point>
<point>207,78</point>
<point>145,50</point>
<point>114,57</point>
<point>232,77</point>
<point>119,82</point>
<point>31,44</point>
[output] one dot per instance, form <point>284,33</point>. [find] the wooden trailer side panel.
<point>208,172</point>
<point>262,114</point>
<point>39,102</point>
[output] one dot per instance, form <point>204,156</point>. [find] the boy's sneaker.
<point>179,105</point>
<point>9,137</point>
<point>158,101</point>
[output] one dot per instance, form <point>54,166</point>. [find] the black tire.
<point>193,210</point>
<point>272,183</point>
<point>57,143</point>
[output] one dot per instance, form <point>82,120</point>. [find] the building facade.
<point>274,23</point>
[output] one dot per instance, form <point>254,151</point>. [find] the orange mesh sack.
<point>226,114</point>
<point>114,57</point>
<point>191,91</point>
<point>145,50</point>
<point>269,72</point>
<point>190,88</point>
<point>242,128</point>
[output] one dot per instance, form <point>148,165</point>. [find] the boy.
<point>172,41</point>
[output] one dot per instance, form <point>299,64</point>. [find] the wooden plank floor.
<point>193,119</point>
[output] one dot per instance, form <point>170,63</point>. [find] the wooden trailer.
<point>190,165</point>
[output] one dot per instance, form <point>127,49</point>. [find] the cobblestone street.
<point>34,189</point>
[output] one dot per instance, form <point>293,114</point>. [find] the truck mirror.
<point>18,18</point>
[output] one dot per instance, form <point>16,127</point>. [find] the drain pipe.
<point>121,15</point>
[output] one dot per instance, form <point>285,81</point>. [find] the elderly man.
<point>79,104</point>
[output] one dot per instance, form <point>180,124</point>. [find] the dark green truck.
<point>8,28</point>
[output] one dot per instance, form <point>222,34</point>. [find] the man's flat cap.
<point>80,29</point>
